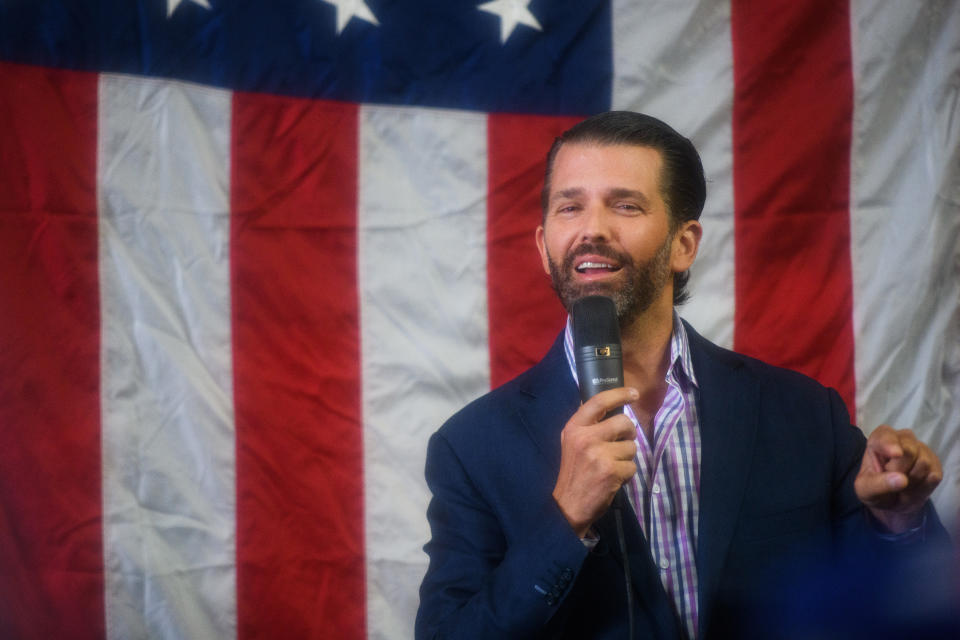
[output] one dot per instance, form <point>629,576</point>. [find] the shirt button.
<point>664,563</point>
<point>656,488</point>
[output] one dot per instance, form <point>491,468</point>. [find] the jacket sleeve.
<point>874,586</point>
<point>496,570</point>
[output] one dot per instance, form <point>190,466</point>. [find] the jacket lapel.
<point>728,404</point>
<point>552,398</point>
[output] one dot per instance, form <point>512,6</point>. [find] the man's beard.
<point>632,294</point>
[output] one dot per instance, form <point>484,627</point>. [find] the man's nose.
<point>596,224</point>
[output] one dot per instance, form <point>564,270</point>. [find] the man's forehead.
<point>613,147</point>
<point>625,161</point>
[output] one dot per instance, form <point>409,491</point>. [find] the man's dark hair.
<point>682,184</point>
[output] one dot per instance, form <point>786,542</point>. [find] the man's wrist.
<point>579,527</point>
<point>898,527</point>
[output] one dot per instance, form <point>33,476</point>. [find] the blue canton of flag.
<point>431,53</point>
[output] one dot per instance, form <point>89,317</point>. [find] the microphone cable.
<point>626,564</point>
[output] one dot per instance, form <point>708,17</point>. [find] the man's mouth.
<point>584,266</point>
<point>595,267</point>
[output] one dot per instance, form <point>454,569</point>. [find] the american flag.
<point>253,253</point>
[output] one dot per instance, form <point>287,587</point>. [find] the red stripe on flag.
<point>525,314</point>
<point>300,537</point>
<point>51,543</point>
<point>792,111</point>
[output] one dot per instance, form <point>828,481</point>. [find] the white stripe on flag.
<point>167,409</point>
<point>905,219</point>
<point>423,302</point>
<point>674,61</point>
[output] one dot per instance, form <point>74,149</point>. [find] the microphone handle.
<point>599,368</point>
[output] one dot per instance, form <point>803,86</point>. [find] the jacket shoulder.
<point>707,355</point>
<point>500,409</point>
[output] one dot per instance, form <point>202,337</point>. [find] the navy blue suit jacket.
<point>779,456</point>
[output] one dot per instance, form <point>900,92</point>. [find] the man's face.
<point>607,228</point>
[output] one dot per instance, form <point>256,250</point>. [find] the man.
<point>549,520</point>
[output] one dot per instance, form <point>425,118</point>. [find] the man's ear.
<point>686,243</point>
<point>542,248</point>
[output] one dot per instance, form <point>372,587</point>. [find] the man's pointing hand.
<point>896,477</point>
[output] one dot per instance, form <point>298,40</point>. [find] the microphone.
<point>596,346</point>
<point>596,349</point>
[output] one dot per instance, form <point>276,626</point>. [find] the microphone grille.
<point>595,321</point>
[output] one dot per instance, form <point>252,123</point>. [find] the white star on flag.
<point>347,9</point>
<point>511,13</point>
<point>173,4</point>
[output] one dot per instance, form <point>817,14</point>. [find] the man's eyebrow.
<point>572,192</point>
<point>611,194</point>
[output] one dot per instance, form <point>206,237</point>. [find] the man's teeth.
<point>583,266</point>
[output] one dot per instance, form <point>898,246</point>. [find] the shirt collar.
<point>681,364</point>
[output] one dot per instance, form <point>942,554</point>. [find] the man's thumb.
<point>870,486</point>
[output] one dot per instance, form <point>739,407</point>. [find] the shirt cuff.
<point>591,539</point>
